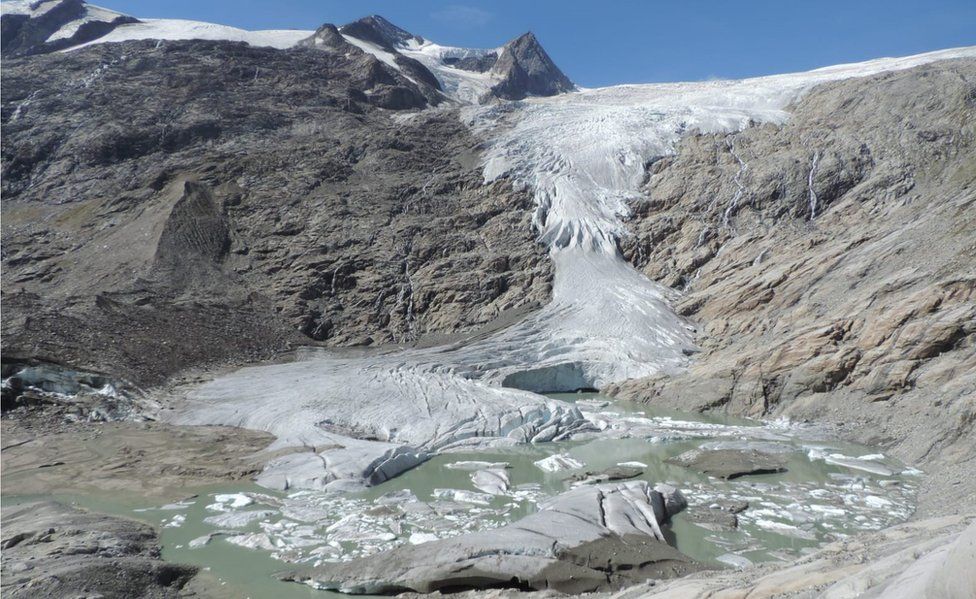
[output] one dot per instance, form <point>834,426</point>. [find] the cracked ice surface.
<point>364,420</point>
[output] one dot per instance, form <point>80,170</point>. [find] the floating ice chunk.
<point>559,461</point>
<point>418,538</point>
<point>827,510</point>
<point>237,519</point>
<point>734,560</point>
<point>592,403</point>
<point>256,540</point>
<point>632,464</point>
<point>784,529</point>
<point>396,497</point>
<point>494,481</point>
<point>877,502</point>
<point>175,522</point>
<point>227,501</point>
<point>463,496</point>
<point>862,463</point>
<point>201,541</point>
<point>475,465</point>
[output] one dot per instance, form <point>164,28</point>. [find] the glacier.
<point>345,421</point>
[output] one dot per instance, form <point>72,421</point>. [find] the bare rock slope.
<point>830,265</point>
<point>175,204</point>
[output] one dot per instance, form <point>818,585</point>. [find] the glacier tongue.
<point>363,420</point>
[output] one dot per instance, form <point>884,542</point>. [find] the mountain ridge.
<point>518,69</point>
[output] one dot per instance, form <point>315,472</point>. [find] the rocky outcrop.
<point>53,551</point>
<point>829,262</point>
<point>525,69</point>
<point>730,463</point>
<point>148,227</point>
<point>591,538</point>
<point>929,558</point>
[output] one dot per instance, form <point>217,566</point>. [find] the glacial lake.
<point>243,534</point>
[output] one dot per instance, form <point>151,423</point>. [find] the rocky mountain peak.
<point>41,26</point>
<point>525,69</point>
<point>377,30</point>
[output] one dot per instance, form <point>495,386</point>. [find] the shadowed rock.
<point>526,70</point>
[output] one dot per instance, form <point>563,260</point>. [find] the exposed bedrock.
<point>587,539</point>
<point>189,203</point>
<point>829,263</point>
<point>54,551</point>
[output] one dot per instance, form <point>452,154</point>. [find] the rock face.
<point>525,69</point>
<point>591,538</point>
<point>53,551</point>
<point>829,262</point>
<point>39,27</point>
<point>140,238</point>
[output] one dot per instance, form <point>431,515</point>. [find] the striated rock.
<point>587,539</point>
<point>828,262</point>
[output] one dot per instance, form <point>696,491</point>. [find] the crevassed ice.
<point>583,155</point>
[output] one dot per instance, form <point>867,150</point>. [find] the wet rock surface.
<point>730,463</point>
<point>51,550</point>
<point>587,539</point>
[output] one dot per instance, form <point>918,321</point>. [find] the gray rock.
<point>525,70</point>
<point>321,218</point>
<point>27,34</point>
<point>730,463</point>
<point>609,474</point>
<point>54,551</point>
<point>861,313</point>
<point>587,539</point>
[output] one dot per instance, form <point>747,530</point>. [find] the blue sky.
<point>630,41</point>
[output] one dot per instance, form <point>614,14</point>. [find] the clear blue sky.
<point>630,41</point>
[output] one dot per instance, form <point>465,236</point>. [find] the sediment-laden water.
<point>244,534</point>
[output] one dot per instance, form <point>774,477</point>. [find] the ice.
<point>463,496</point>
<point>237,519</point>
<point>419,538</point>
<point>257,540</point>
<point>175,522</point>
<point>494,481</point>
<point>475,465</point>
<point>557,462</point>
<point>736,561</point>
<point>863,463</point>
<point>224,502</point>
<point>180,29</point>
